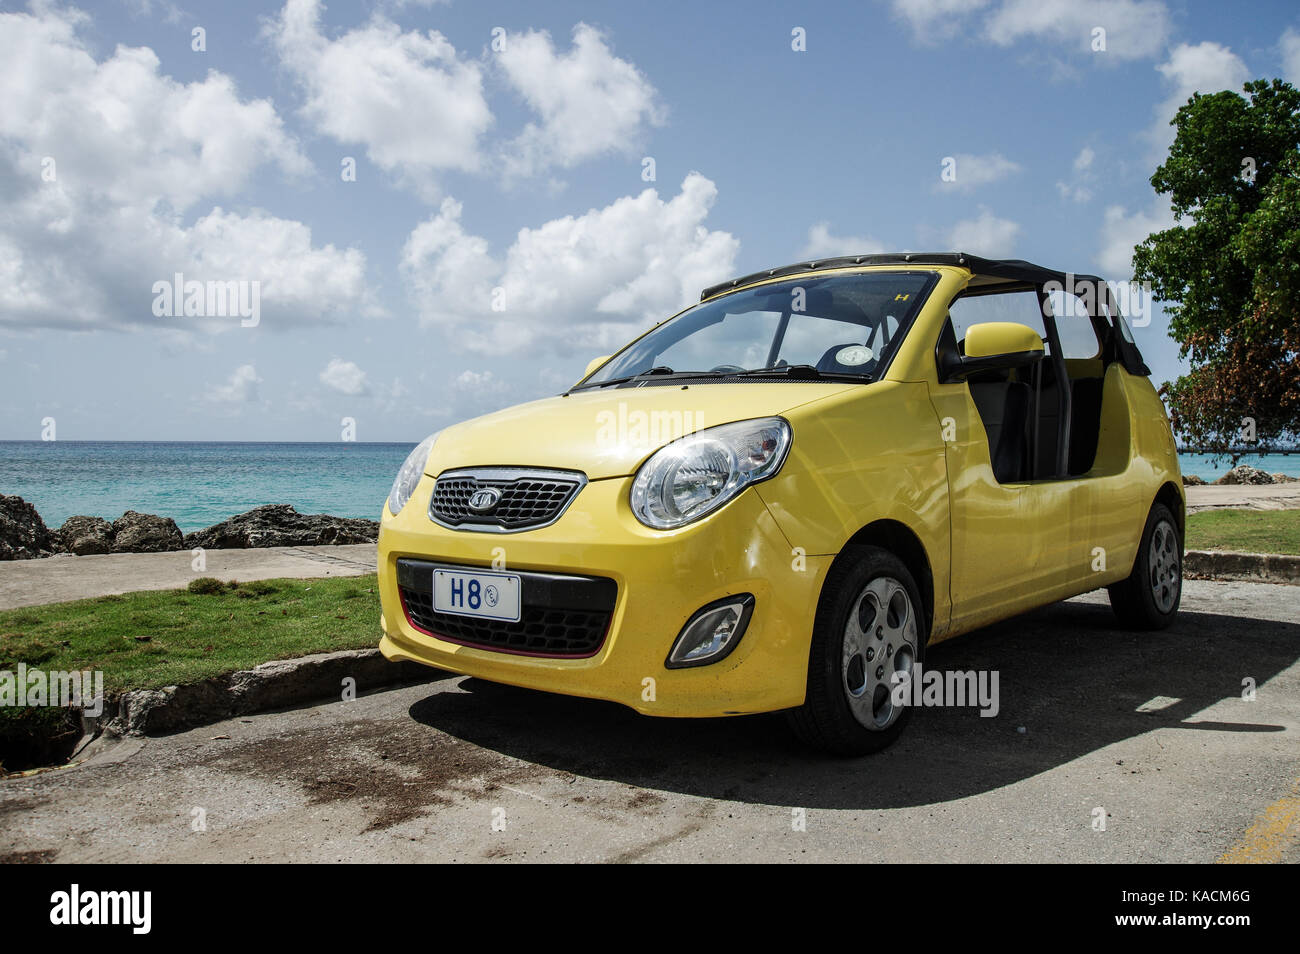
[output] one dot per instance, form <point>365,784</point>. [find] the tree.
<point>1229,271</point>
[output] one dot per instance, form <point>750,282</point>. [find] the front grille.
<point>560,615</point>
<point>528,497</point>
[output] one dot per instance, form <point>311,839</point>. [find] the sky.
<point>436,209</point>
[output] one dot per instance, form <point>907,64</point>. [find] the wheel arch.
<point>900,540</point>
<point>1170,495</point>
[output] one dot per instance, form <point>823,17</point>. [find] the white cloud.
<point>1135,29</point>
<point>589,101</point>
<point>121,129</point>
<point>595,278</point>
<point>985,235</point>
<point>1204,68</point>
<point>345,377</point>
<point>1079,187</point>
<point>393,398</point>
<point>1121,230</point>
<point>822,244</point>
<point>240,388</point>
<point>406,97</point>
<point>971,171</point>
<point>472,393</point>
<point>1074,192</point>
<point>97,268</point>
<point>169,12</point>
<point>477,382</point>
<point>1289,46</point>
<point>931,20</point>
<point>85,235</point>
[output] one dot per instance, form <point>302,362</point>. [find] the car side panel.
<point>873,453</point>
<point>1105,509</point>
<point>1100,515</point>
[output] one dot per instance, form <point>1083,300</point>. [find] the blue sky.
<point>512,179</point>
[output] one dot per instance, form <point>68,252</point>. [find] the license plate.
<point>486,595</point>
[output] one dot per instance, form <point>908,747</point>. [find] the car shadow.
<point>1070,684</point>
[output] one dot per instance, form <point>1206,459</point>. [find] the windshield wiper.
<point>785,370</point>
<point>801,372</point>
<point>793,372</point>
<point>659,369</point>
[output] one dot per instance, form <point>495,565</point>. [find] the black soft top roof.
<point>1000,272</point>
<point>1010,270</point>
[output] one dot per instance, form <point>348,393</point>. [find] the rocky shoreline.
<point>1242,474</point>
<point>24,535</point>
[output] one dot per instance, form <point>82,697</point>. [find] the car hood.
<point>608,433</point>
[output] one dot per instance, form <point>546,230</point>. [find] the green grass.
<point>171,637</point>
<point>159,638</point>
<point>1252,531</point>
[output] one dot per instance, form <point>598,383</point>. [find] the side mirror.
<point>592,366</point>
<point>992,346</point>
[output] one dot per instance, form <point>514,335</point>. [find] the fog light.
<point>712,632</point>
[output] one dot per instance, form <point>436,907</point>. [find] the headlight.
<point>696,475</point>
<point>410,474</point>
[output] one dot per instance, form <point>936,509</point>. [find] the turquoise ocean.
<point>199,484</point>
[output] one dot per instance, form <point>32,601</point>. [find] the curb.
<point>1251,567</point>
<point>273,685</point>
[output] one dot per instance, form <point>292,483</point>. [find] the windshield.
<point>833,326</point>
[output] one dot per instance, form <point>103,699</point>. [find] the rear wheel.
<point>869,626</point>
<point>1148,598</point>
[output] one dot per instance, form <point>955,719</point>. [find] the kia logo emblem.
<point>485,500</point>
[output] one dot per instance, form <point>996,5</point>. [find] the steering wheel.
<point>727,367</point>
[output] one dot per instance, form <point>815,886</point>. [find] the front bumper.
<point>662,578</point>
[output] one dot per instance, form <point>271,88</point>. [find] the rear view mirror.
<point>992,346</point>
<point>592,366</point>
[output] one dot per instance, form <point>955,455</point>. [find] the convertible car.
<point>780,497</point>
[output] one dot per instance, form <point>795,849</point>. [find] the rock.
<point>1283,478</point>
<point>280,525</point>
<point>1245,474</point>
<point>145,533</point>
<point>1191,480</point>
<point>23,534</point>
<point>86,535</point>
<point>272,685</point>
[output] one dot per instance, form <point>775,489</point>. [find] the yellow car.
<point>778,498</point>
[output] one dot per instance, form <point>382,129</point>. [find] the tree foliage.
<point>1229,270</point>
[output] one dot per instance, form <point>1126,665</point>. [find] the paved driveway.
<point>67,577</point>
<point>1149,729</point>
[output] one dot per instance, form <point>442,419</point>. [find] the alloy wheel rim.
<point>879,640</point>
<point>1163,571</point>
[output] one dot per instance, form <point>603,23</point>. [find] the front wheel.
<point>1148,598</point>
<point>869,626</point>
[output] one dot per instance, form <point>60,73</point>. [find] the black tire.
<point>1148,598</point>
<point>826,720</point>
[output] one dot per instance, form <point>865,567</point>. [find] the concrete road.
<point>1150,730</point>
<point>67,577</point>
<point>1244,497</point>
